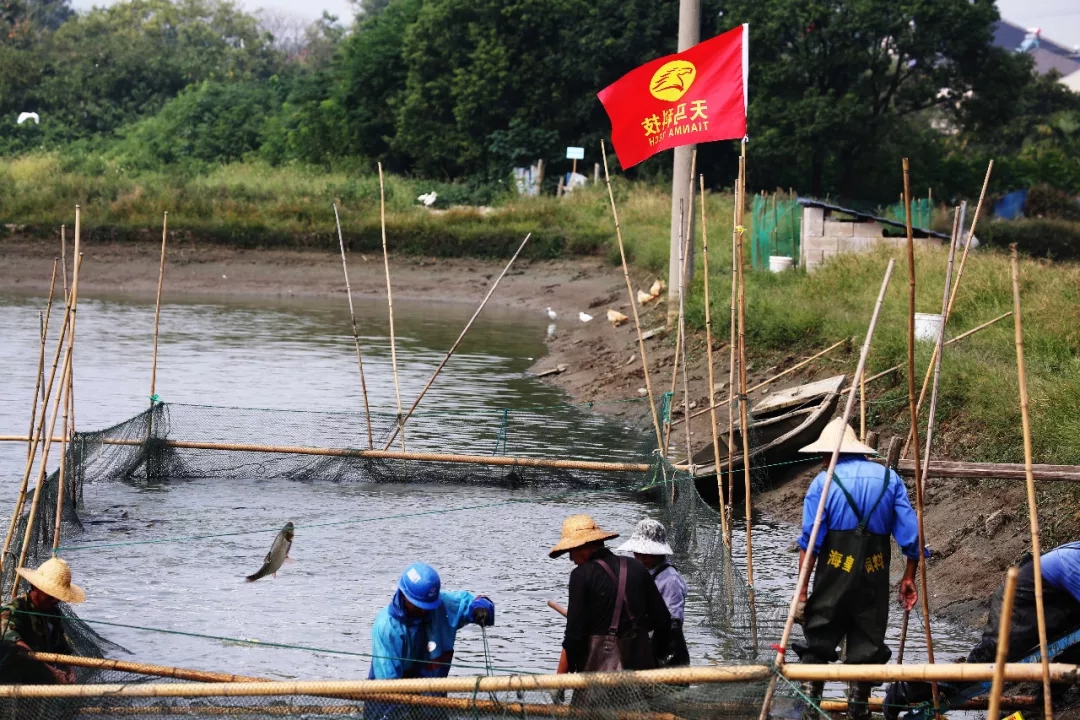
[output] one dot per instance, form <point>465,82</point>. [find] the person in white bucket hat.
<point>650,546</point>
<point>866,503</point>
<point>33,622</point>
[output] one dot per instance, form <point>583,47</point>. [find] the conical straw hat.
<point>578,530</point>
<point>54,578</point>
<point>826,442</point>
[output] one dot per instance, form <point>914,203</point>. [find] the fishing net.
<point>174,443</point>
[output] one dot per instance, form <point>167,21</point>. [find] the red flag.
<point>696,96</point>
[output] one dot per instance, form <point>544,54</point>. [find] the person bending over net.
<point>32,622</point>
<point>650,546</point>
<point>413,636</point>
<point>1061,604</point>
<point>613,606</point>
<point>850,600</point>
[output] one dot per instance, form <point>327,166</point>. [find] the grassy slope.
<point>259,205</point>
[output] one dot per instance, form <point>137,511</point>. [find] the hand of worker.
<point>482,611</point>
<point>908,594</point>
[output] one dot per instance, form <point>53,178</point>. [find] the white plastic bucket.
<point>927,326</point>
<point>780,263</point>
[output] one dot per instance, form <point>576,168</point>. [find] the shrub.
<point>1055,239</point>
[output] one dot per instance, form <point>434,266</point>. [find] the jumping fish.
<point>279,553</point>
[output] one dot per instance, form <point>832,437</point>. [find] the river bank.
<point>976,529</point>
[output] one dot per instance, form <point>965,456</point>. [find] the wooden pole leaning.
<point>76,255</point>
<point>683,242</point>
<point>400,426</point>
<point>923,594</point>
<point>633,304</point>
<point>956,286</point>
<point>744,402</point>
<point>939,346</point>
<point>39,376</point>
<point>1004,625</point>
<point>390,301</point>
<point>1033,510</point>
<point>355,334</point>
<point>733,359</point>
<point>157,306</point>
<point>804,568</point>
<point>709,358</point>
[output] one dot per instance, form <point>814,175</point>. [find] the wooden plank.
<point>800,394</point>
<point>1000,471</point>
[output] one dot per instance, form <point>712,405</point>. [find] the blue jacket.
<point>862,478</point>
<point>1061,568</point>
<point>403,646</point>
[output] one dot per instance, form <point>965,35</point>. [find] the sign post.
<point>575,154</point>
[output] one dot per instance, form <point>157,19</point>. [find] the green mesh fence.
<point>138,452</point>
<point>775,229</point>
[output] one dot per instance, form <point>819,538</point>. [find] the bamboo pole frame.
<point>389,300</point>
<point>683,253</point>
<point>744,409</point>
<point>794,368</point>
<point>733,357</point>
<point>804,567</point>
<point>1033,510</point>
<point>400,426</point>
<point>956,286</point>
<point>923,594</point>
<point>355,334</point>
<point>633,304</point>
<point>710,674</point>
<point>157,306</point>
<point>77,263</point>
<point>709,358</point>
<point>39,376</point>
<point>1004,625</point>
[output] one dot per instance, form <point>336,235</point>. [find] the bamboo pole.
<point>939,346</point>
<point>709,360</point>
<point>704,674</point>
<point>157,306</point>
<point>767,381</point>
<point>468,705</point>
<point>400,426</point>
<point>744,410</point>
<point>1004,625</point>
<point>733,358</point>
<point>390,301</point>
<point>355,334</point>
<point>956,339</point>
<point>60,478</point>
<point>804,568</point>
<point>1033,510</point>
<point>556,607</point>
<point>862,409</point>
<point>956,286</point>
<point>140,668</point>
<point>877,704</point>
<point>924,595</point>
<point>670,424</point>
<point>39,377</point>
<point>77,262</point>
<point>684,240</point>
<point>633,304</point>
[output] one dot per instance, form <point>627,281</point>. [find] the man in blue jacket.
<point>413,636</point>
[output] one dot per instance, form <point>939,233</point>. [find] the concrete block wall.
<point>823,237</point>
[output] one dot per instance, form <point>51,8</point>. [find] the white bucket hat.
<point>54,578</point>
<point>649,538</point>
<point>826,442</point>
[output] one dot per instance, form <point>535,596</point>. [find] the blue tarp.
<point>1011,206</point>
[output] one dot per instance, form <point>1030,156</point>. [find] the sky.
<point>1059,19</point>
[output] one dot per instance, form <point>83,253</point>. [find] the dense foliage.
<point>465,90</point>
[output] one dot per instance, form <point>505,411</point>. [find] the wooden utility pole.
<point>689,35</point>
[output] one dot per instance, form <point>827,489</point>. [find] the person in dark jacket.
<point>650,546</point>
<point>1061,605</point>
<point>612,608</point>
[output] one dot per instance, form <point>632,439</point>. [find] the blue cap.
<point>420,585</point>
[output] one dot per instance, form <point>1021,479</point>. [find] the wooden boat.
<point>780,424</point>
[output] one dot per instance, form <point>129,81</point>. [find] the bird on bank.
<point>551,314</point>
<point>428,198</point>
<point>24,116</point>
<point>584,317</point>
<point>279,553</point>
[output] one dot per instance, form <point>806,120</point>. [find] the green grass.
<point>254,205</point>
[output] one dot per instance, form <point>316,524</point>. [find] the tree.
<point>832,80</point>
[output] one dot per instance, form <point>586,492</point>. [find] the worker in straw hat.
<point>33,622</point>
<point>650,546</point>
<point>866,503</point>
<point>612,608</point>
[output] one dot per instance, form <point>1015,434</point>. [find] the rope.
<point>277,646</point>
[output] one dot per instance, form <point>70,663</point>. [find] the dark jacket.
<point>592,602</point>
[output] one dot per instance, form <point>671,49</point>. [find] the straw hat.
<point>54,578</point>
<point>649,538</point>
<point>826,442</point>
<point>578,530</point>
